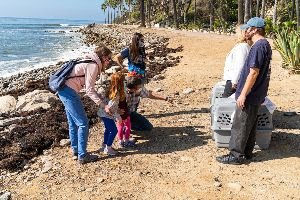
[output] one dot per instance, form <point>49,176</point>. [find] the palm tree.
<point>298,15</point>
<point>175,14</point>
<point>240,12</point>
<point>293,9</point>
<point>104,7</point>
<point>142,13</point>
<point>263,6</point>
<point>149,12</point>
<point>247,10</point>
<point>257,8</point>
<point>211,14</point>
<point>275,12</point>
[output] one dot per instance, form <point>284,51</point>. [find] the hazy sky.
<point>53,9</point>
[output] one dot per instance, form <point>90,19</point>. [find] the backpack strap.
<point>79,62</point>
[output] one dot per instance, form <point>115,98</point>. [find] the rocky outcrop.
<point>35,100</point>
<point>40,120</point>
<point>8,104</point>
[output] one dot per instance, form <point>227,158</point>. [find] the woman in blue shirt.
<point>136,56</point>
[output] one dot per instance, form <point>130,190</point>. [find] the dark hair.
<point>261,31</point>
<point>132,82</point>
<point>101,50</point>
<point>134,46</point>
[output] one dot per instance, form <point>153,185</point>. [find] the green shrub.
<point>159,17</point>
<point>287,43</point>
<point>135,15</point>
<point>269,28</point>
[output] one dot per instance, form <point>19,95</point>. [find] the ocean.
<point>28,43</point>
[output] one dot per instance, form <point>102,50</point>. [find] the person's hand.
<point>124,70</point>
<point>107,110</point>
<point>121,111</point>
<point>241,101</point>
<point>234,86</point>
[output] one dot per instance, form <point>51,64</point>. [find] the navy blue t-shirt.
<point>139,62</point>
<point>125,54</point>
<point>259,57</point>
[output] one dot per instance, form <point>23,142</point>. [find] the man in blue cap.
<point>251,91</point>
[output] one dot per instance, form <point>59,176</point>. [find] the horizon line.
<point>50,18</point>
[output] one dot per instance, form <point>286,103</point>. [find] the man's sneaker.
<point>87,159</point>
<point>129,144</point>
<point>110,151</point>
<point>75,156</point>
<point>230,159</point>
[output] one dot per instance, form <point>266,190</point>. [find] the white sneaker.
<point>74,156</point>
<point>110,151</point>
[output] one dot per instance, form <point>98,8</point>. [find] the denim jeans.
<point>243,130</point>
<point>77,119</point>
<point>139,122</point>
<point>110,131</point>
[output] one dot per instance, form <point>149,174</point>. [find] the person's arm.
<point>156,96</point>
<point>119,60</point>
<point>91,74</point>
<point>251,78</point>
<point>239,58</point>
<point>121,56</point>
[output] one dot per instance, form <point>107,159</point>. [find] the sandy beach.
<point>176,160</point>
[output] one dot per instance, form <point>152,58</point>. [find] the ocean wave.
<point>13,67</point>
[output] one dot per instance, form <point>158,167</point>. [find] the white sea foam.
<point>22,66</point>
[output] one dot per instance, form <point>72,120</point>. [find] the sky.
<point>53,9</point>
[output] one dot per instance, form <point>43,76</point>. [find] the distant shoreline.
<point>33,18</point>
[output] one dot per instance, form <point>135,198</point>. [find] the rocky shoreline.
<point>32,119</point>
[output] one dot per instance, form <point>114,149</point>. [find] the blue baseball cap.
<point>254,22</point>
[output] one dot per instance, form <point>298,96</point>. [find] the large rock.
<point>35,100</point>
<point>8,104</point>
<point>235,186</point>
<point>5,196</point>
<point>113,69</point>
<point>10,121</point>
<point>188,91</point>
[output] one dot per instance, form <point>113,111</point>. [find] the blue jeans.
<point>110,131</point>
<point>139,122</point>
<point>77,119</point>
